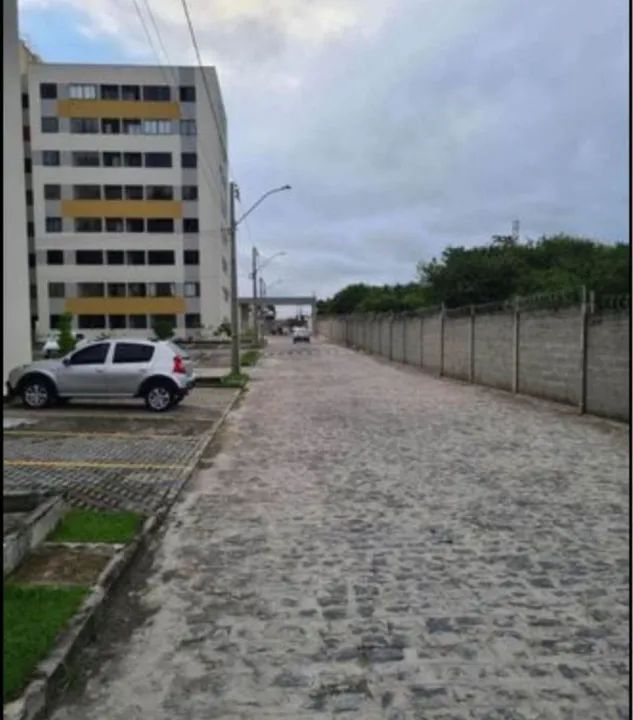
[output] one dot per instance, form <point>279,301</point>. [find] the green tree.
<point>163,328</point>
<point>67,340</point>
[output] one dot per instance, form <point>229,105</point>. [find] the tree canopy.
<point>494,272</point>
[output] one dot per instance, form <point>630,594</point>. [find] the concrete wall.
<point>457,347</point>
<point>493,350</point>
<point>549,354</point>
<point>549,351</point>
<point>17,313</point>
<point>608,365</point>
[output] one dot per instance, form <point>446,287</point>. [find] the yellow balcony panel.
<point>118,109</point>
<point>126,306</point>
<point>122,208</point>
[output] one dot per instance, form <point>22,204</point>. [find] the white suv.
<point>159,372</point>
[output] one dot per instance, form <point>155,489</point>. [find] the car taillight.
<point>179,365</point>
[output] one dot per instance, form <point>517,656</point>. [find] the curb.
<point>52,674</point>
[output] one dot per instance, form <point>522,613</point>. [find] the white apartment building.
<point>129,198</point>
<point>16,316</point>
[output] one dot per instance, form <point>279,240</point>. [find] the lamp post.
<point>253,276</point>
<point>235,336</point>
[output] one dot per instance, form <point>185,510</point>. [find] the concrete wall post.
<point>421,326</point>
<point>391,336</point>
<point>404,339</point>
<point>515,346</point>
<point>471,345</point>
<point>584,322</point>
<point>442,332</point>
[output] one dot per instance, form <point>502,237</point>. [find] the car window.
<point>92,355</point>
<point>132,353</point>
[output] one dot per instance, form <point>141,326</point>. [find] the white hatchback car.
<point>300,334</point>
<point>159,372</point>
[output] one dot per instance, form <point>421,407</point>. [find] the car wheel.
<point>37,393</point>
<point>159,397</point>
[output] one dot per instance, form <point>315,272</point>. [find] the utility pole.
<point>235,332</point>
<point>254,277</point>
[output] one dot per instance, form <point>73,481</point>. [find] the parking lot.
<point>111,454</point>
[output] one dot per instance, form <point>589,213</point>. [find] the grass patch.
<point>234,381</point>
<point>250,357</point>
<point>96,526</point>
<point>32,619</point>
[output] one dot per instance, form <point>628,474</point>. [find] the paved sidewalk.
<point>372,542</point>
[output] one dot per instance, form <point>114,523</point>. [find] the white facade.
<point>17,327</point>
<point>116,201</point>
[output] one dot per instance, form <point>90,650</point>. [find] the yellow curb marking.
<point>115,435</point>
<point>80,464</point>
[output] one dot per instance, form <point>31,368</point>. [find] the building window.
<point>138,322</point>
<point>115,257</point>
<point>225,265</point>
<point>117,322</point>
<point>53,224</point>
<point>159,192</point>
<point>33,291</point>
<point>192,289</point>
<point>161,257</point>
<point>116,290</point>
<point>225,292</point>
<point>87,192</point>
<point>50,158</point>
<point>189,160</point>
<point>134,225</point>
<point>188,127</point>
<point>25,101</point>
<point>160,225</point>
<point>111,159</point>
<point>130,92</point>
<point>109,92</point>
<point>88,257</point>
<point>48,91</point>
<point>135,257</point>
<point>157,127</point>
<point>32,260</point>
<point>113,192</point>
<point>91,322</point>
<point>110,126</point>
<point>54,257</point>
<point>86,159</point>
<point>26,133</point>
<point>192,257</point>
<point>29,198</point>
<point>52,192</point>
<point>53,321</point>
<point>56,289</point>
<point>28,165</point>
<point>84,126</point>
<point>156,93</point>
<point>88,225</point>
<point>82,92</point>
<point>136,289</point>
<point>132,127</point>
<point>162,289</point>
<point>114,225</point>
<point>192,321</point>
<point>30,231</point>
<point>189,192</point>
<point>190,225</point>
<point>90,290</point>
<point>50,124</point>
<point>157,159</point>
<point>187,93</point>
<point>133,192</point>
<point>132,159</point>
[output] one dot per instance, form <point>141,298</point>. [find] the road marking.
<point>84,464</point>
<point>115,435</point>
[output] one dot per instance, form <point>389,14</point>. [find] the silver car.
<point>160,372</point>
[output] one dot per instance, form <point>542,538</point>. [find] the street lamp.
<point>256,269</point>
<point>235,339</point>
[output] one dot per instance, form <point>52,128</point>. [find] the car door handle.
<point>100,371</point>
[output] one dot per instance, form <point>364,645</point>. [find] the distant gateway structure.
<point>246,303</point>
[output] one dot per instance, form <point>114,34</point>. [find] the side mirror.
<point>66,361</point>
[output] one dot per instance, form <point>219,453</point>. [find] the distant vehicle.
<point>51,346</point>
<point>159,372</point>
<point>300,334</point>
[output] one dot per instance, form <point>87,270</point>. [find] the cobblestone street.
<point>373,542</point>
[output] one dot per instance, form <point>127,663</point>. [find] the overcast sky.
<point>403,126</point>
